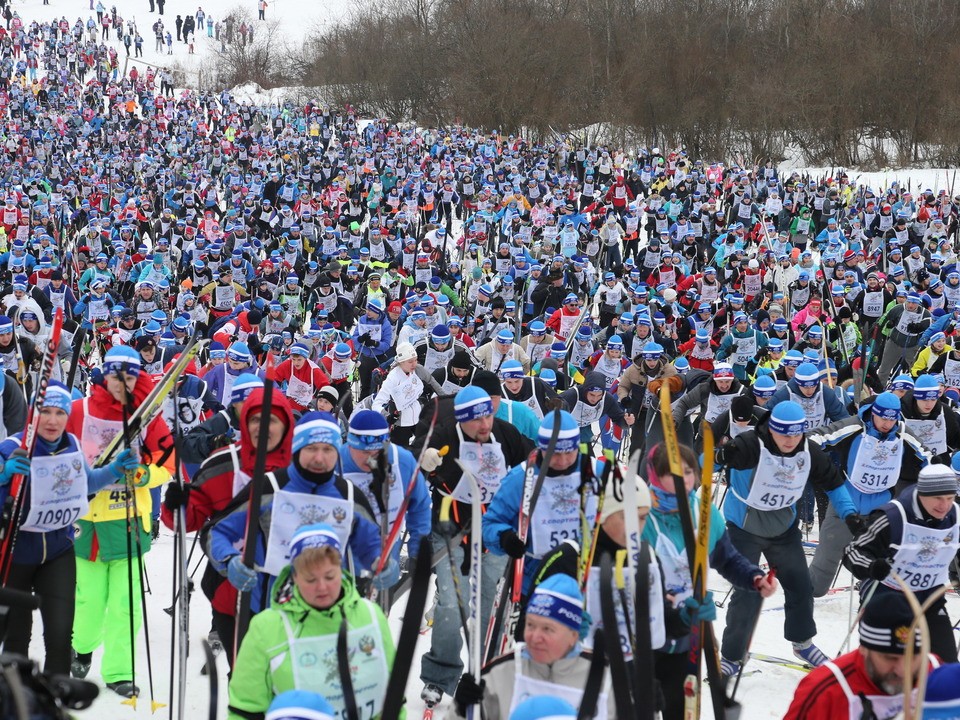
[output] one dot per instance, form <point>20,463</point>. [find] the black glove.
<point>364,339</point>
<point>176,496</point>
<point>856,524</point>
<point>370,343</point>
<point>468,693</point>
<point>879,569</point>
<point>914,327</point>
<point>512,545</point>
<point>802,327</point>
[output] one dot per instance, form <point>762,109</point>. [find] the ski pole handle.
<point>445,504</point>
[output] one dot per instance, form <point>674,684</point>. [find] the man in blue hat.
<point>931,420</point>
<point>769,467</point>
<point>492,355</point>
<point>907,323</point>
<point>487,448</point>
<point>873,450</point>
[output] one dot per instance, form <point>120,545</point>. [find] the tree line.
<point>847,82</point>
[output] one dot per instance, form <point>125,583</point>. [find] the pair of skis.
<point>469,610</point>
<point>634,694</point>
<point>697,544</point>
<point>510,586</point>
<point>16,498</point>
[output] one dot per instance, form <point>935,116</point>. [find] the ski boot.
<point>431,696</point>
<point>124,688</point>
<point>80,664</point>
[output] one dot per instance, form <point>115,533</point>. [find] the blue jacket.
<point>419,511</point>
<point>229,532</point>
<point>842,441</point>
<point>386,336</point>
<point>503,513</point>
<point>34,548</point>
<point>832,405</point>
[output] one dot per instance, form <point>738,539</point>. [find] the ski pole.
<point>132,505</point>
<point>863,607</point>
<point>756,621</point>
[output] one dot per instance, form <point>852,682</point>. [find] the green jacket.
<point>264,666</point>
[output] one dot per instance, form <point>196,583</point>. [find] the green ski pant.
<point>103,614</point>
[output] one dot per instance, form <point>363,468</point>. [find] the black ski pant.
<point>55,581</point>
<point>226,627</point>
<point>785,553</point>
<point>670,670</point>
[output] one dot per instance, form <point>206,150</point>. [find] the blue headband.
<point>789,428</point>
<point>555,606</point>
<point>473,409</point>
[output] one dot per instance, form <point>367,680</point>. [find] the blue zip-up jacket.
<point>832,405</point>
<point>742,456</point>
<point>503,513</point>
<point>228,533</point>
<point>420,509</point>
<point>842,441</point>
<point>34,548</point>
<point>386,336</point>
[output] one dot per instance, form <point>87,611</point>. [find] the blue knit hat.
<point>544,707</point>
<point>217,351</point>
<point>314,535</point>
<point>550,377</point>
<point>887,405</point>
<point>240,352</point>
<point>569,437</point>
<point>926,388</point>
<point>942,699</point>
<point>764,386</point>
<point>511,369</point>
<point>316,427</point>
<point>807,375</point>
<point>788,418</point>
<point>245,384</point>
<point>902,382</point>
<point>440,334</point>
<point>300,349</point>
<point>558,351</point>
<point>558,598</point>
<point>368,430</point>
<point>300,705</point>
<point>472,403</point>
<point>120,358</point>
<point>58,396</point>
<point>792,358</point>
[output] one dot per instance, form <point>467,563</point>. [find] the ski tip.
<point>154,706</point>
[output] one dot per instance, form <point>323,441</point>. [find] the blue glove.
<point>16,465</point>
<point>125,462</point>
<point>241,577</point>
<point>693,612</point>
<point>389,577</point>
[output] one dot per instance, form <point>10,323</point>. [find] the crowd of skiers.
<point>319,342</point>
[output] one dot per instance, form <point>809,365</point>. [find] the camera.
<point>26,692</point>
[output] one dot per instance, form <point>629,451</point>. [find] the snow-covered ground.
<point>766,694</point>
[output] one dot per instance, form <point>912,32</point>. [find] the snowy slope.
<point>295,20</point>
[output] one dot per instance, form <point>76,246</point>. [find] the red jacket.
<point>819,695</point>
<point>212,487</point>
